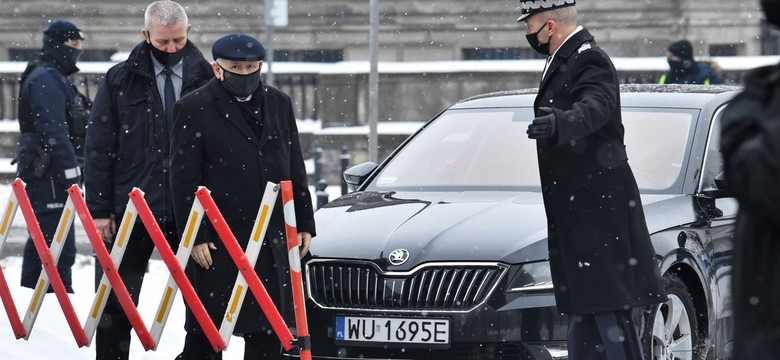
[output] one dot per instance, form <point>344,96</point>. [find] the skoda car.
<point>440,252</point>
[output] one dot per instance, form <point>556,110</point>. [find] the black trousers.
<point>604,336</point>
<point>256,346</point>
<point>112,339</point>
<point>31,263</point>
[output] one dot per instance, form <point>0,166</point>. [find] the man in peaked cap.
<point>52,120</point>
<point>749,143</point>
<point>232,136</point>
<point>601,259</point>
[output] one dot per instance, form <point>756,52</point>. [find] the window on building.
<point>725,49</point>
<point>88,55</point>
<point>323,56</point>
<point>511,53</point>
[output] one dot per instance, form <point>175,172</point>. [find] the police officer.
<point>683,69</point>
<point>233,135</point>
<point>601,259</point>
<point>52,120</point>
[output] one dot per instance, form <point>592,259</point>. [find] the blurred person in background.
<point>751,152</point>
<point>683,69</point>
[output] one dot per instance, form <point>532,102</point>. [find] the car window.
<point>488,149</point>
<point>657,142</point>
<point>467,149</point>
<point>713,160</point>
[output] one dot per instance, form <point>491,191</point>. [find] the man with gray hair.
<point>127,146</point>
<point>602,262</point>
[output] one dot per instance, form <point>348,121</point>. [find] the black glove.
<point>543,126</point>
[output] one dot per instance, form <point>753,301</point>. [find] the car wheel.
<point>675,332</point>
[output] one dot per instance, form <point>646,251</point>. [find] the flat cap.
<point>238,47</point>
<point>530,7</point>
<point>63,30</point>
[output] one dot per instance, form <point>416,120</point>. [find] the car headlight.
<point>532,277</point>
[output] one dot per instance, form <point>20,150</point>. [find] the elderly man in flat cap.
<point>601,258</point>
<point>232,136</point>
<point>52,121</point>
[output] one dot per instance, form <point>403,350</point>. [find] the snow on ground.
<point>51,337</point>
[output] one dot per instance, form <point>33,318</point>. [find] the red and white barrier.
<point>138,208</point>
<point>294,255</point>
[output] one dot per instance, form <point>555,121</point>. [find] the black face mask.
<point>533,40</point>
<point>240,85</point>
<point>679,66</point>
<point>166,58</point>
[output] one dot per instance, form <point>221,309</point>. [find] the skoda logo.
<point>398,256</point>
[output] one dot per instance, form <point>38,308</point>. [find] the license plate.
<point>393,330</point>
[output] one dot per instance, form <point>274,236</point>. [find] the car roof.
<point>650,95</point>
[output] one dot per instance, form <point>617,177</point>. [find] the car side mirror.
<point>722,188</point>
<point>356,175</point>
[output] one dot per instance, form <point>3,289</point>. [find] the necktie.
<point>170,99</point>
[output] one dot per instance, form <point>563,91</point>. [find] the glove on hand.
<point>544,126</point>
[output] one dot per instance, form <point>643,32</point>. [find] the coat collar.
<point>566,50</point>
<point>227,104</point>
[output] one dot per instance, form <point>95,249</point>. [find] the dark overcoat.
<point>751,154</point>
<point>214,145</point>
<point>600,252</point>
<point>126,138</point>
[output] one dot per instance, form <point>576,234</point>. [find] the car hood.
<point>507,227</point>
<point>433,226</point>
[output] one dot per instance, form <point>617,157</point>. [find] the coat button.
<point>260,152</point>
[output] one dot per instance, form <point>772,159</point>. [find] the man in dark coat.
<point>751,154</point>
<point>601,258</point>
<point>683,69</point>
<point>127,146</point>
<point>232,136</point>
<point>52,121</point>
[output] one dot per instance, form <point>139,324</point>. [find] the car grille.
<point>430,287</point>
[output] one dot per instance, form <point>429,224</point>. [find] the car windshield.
<point>487,149</point>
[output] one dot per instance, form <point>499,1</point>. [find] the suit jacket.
<point>601,257</point>
<point>214,145</point>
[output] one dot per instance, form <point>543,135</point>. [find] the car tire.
<point>673,332</point>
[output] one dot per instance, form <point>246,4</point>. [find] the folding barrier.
<point>138,208</point>
<point>293,253</point>
<point>20,200</point>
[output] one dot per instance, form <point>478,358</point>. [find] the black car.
<point>441,250</point>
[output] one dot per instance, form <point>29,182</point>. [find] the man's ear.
<point>217,70</point>
<point>189,26</point>
<point>146,35</point>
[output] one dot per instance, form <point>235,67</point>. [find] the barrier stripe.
<point>182,257</point>
<point>109,269</point>
<point>100,296</point>
<point>5,293</point>
<point>296,281</point>
<point>234,305</point>
<point>37,295</point>
<point>62,228</point>
<point>166,299</point>
<point>9,210</point>
<point>48,262</point>
<point>187,291</point>
<point>259,226</point>
<point>123,231</point>
<point>245,268</point>
<point>254,244</point>
<point>190,228</point>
